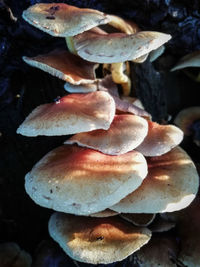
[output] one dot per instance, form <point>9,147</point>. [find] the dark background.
<point>22,88</point>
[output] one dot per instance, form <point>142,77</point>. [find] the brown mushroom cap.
<point>171,184</point>
<point>70,114</point>
<point>116,47</point>
<point>83,181</point>
<point>190,60</point>
<point>126,132</point>
<point>64,65</point>
<point>157,253</point>
<point>96,240</point>
<point>186,117</point>
<point>160,139</point>
<point>59,19</point>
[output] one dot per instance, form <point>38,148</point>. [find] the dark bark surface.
<point>22,88</point>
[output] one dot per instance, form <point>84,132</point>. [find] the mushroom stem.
<point>70,44</point>
<point>121,78</point>
<point>121,25</point>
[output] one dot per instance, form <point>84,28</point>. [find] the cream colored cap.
<point>65,65</point>
<point>117,47</point>
<point>96,240</point>
<point>126,132</point>
<point>82,181</point>
<point>171,184</point>
<point>70,114</point>
<point>160,139</point>
<point>190,60</point>
<point>59,19</point>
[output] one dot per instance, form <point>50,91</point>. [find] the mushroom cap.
<point>160,139</point>
<point>104,213</point>
<point>126,132</point>
<point>65,65</point>
<point>116,47</point>
<point>158,252</point>
<point>171,184</point>
<point>83,181</point>
<point>190,60</point>
<point>138,219</point>
<point>96,240</point>
<point>185,118</point>
<point>82,88</point>
<point>62,20</point>
<point>70,114</point>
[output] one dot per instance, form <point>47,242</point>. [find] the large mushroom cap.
<point>59,19</point>
<point>83,181</point>
<point>100,47</point>
<point>71,114</point>
<point>97,240</point>
<point>126,132</point>
<point>160,139</point>
<point>171,184</point>
<point>65,65</point>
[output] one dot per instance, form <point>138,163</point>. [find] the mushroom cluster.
<point>118,165</point>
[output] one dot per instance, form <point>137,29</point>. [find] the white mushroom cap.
<point>59,19</point>
<point>186,117</point>
<point>160,139</point>
<point>70,114</point>
<point>117,47</point>
<point>82,88</point>
<point>190,60</point>
<point>65,65</point>
<point>83,181</point>
<point>171,184</point>
<point>96,240</point>
<point>126,132</point>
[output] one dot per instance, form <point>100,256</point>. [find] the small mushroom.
<point>160,139</point>
<point>138,219</point>
<point>126,132</point>
<point>188,120</point>
<point>70,114</point>
<point>97,240</point>
<point>83,181</point>
<point>66,66</point>
<point>172,184</point>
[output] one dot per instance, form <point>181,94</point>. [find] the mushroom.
<point>104,213</point>
<point>190,60</point>
<point>172,184</point>
<point>138,219</point>
<point>82,181</point>
<point>66,66</point>
<point>97,240</point>
<point>70,114</point>
<point>160,139</point>
<point>188,121</point>
<point>126,132</point>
